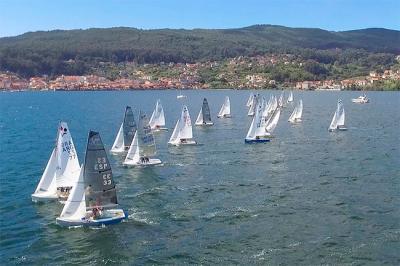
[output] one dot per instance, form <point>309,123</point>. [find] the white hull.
<point>113,216</point>
<point>180,96</point>
<point>359,101</point>
<point>43,197</point>
<point>139,163</point>
<point>224,116</point>
<point>204,124</point>
<point>158,129</point>
<point>180,143</point>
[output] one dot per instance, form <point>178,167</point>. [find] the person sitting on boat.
<point>183,140</point>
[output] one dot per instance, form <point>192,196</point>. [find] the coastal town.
<point>238,73</point>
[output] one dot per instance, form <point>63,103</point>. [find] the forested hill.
<point>41,52</point>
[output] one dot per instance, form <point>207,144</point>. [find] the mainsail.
<point>145,137</point>
<point>157,118</point>
<point>129,126</point>
<point>290,98</point>
<point>99,185</point>
<point>68,168</point>
<point>341,115</point>
<point>225,110</point>
<point>204,116</point>
<point>297,112</point>
<point>185,124</point>
<point>273,121</point>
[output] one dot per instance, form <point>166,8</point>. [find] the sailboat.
<point>257,132</point>
<point>180,95</point>
<point>290,98</point>
<point>143,145</point>
<point>225,111</point>
<point>250,100</point>
<point>297,113</point>
<point>157,119</point>
<point>125,133</point>
<point>62,169</point>
<point>183,133</point>
<point>204,117</point>
<point>337,122</point>
<point>93,199</point>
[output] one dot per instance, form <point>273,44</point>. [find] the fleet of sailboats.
<point>62,169</point>
<point>338,118</point>
<point>204,117</point>
<point>89,191</point>
<point>125,133</point>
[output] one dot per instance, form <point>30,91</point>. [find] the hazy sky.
<point>19,16</point>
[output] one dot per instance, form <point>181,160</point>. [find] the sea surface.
<point>309,197</point>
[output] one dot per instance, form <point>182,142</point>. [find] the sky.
<point>20,16</point>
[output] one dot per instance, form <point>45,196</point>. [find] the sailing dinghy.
<point>337,122</point>
<point>62,170</point>
<point>143,145</point>
<point>157,119</point>
<point>290,98</point>
<point>183,133</point>
<point>225,111</point>
<point>93,199</point>
<point>126,132</point>
<point>295,117</point>
<point>204,117</point>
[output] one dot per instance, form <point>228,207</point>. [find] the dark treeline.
<point>76,52</point>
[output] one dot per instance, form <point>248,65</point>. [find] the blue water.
<point>308,197</point>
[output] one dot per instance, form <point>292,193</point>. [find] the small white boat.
<point>361,99</point>
<point>338,118</point>
<point>180,95</point>
<point>125,133</point>
<point>62,169</point>
<point>225,111</point>
<point>204,117</point>
<point>295,117</point>
<point>290,98</point>
<point>93,199</point>
<point>183,132</point>
<point>143,146</point>
<point>157,119</point>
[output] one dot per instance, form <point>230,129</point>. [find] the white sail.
<point>340,120</point>
<point>252,106</point>
<point>290,98</point>
<point>257,124</point>
<point>47,187</point>
<point>270,127</point>
<point>333,124</point>
<point>292,117</point>
<point>75,206</point>
<point>250,100</point>
<point>67,159</point>
<point>280,102</point>
<point>133,155</point>
<point>299,113</point>
<point>185,124</point>
<point>199,120</point>
<point>175,134</point>
<point>119,145</point>
<point>157,119</point>
<point>225,110</point>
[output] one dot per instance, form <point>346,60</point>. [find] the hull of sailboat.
<point>114,216</point>
<point>342,128</point>
<point>142,164</point>
<point>252,141</point>
<point>119,150</point>
<point>43,197</point>
<point>180,96</point>
<point>180,143</point>
<point>224,116</point>
<point>360,101</point>
<point>158,129</point>
<point>205,124</point>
